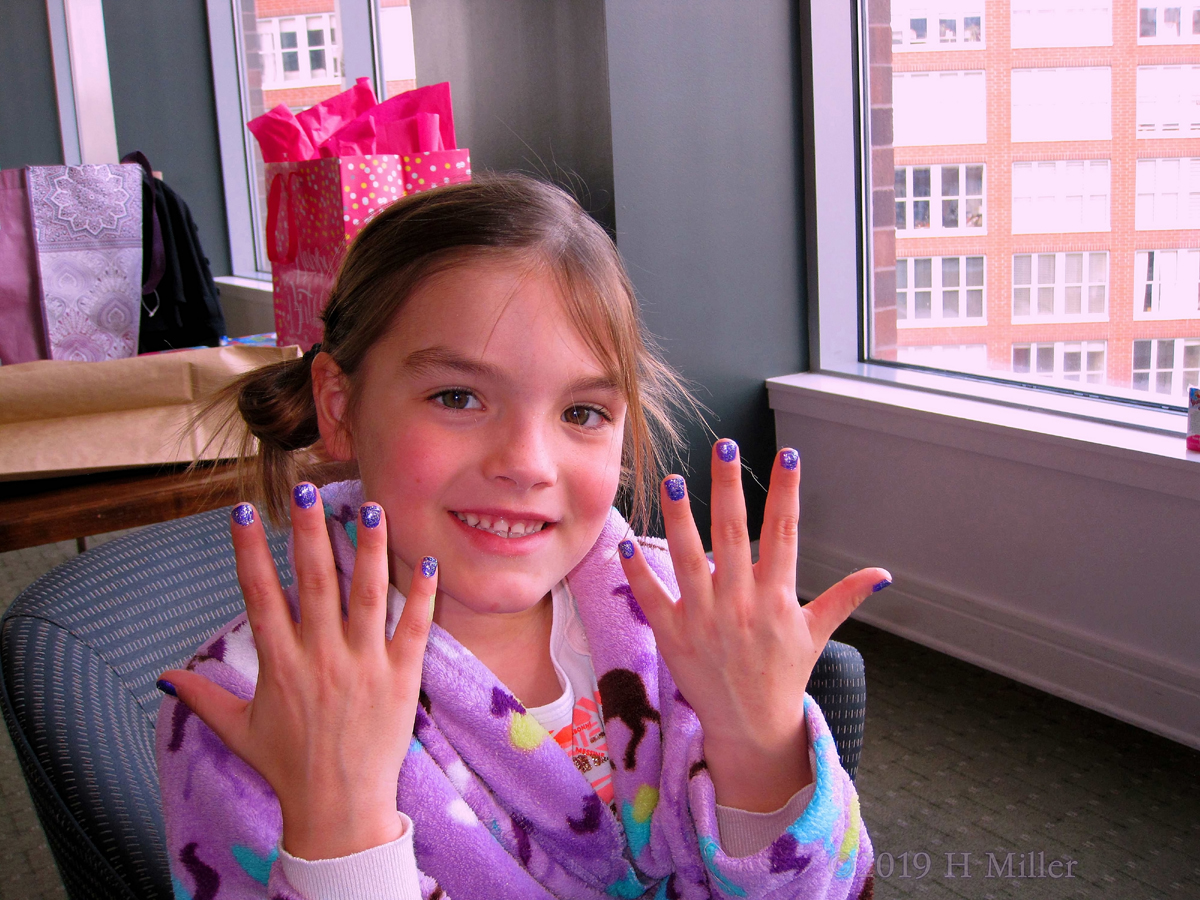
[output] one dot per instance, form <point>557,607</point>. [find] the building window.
<point>1168,194</point>
<point>1080,361</point>
<point>1168,101</point>
<point>298,52</point>
<point>1061,23</point>
<point>1068,104</point>
<point>941,290</point>
<point>1166,284</point>
<point>951,25</point>
<point>937,108</point>
<point>1166,366</point>
<point>939,199</point>
<point>1060,286</point>
<point>1050,196</point>
<point>1169,24</point>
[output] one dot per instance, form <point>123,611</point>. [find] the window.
<point>932,108</point>
<point>1061,23</point>
<point>1081,361</point>
<point>1168,101</point>
<point>1168,194</point>
<point>949,25</point>
<point>956,357</point>
<point>1070,104</point>
<point>1169,24</point>
<point>396,46</point>
<point>1050,196</point>
<point>296,53</point>
<point>1064,286</point>
<point>1166,366</point>
<point>939,290</point>
<point>1166,284</point>
<point>939,199</point>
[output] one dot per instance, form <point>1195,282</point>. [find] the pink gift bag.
<point>316,207</point>
<point>21,332</point>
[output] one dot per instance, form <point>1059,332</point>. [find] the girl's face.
<point>490,434</point>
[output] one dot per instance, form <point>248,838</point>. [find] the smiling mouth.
<point>501,527</point>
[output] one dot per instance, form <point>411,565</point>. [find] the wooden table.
<point>59,509</point>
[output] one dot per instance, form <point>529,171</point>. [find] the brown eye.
<point>584,416</point>
<point>456,398</point>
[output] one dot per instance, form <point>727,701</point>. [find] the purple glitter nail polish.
<point>371,514</point>
<point>429,567</point>
<point>675,488</point>
<point>789,459</point>
<point>880,586</point>
<point>243,514</point>
<point>305,495</point>
<point>626,548</point>
<point>166,687</point>
<point>726,450</point>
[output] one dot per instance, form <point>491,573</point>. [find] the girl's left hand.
<point>738,643</point>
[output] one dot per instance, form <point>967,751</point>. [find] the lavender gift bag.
<point>88,223</point>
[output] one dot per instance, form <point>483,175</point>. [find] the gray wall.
<point>530,87</point>
<point>28,108</point>
<point>704,161</point>
<point>158,61</point>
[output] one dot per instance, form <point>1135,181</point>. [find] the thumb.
<point>220,710</point>
<point>834,606</point>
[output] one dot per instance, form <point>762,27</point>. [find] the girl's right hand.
<point>332,715</point>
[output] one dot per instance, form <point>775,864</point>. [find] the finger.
<point>777,548</point>
<point>407,648</point>
<point>220,710</point>
<point>730,536</point>
<point>369,583</point>
<point>683,543</point>
<point>316,574</point>
<point>650,594</point>
<point>266,606</point>
<point>834,606</point>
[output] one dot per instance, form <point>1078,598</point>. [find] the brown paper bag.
<point>62,418</point>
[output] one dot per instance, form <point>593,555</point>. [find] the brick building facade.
<point>1041,197</point>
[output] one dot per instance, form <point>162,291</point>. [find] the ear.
<point>331,392</point>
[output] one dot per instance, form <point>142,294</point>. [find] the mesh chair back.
<point>80,650</point>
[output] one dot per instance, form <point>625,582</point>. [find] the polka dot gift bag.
<point>361,157</point>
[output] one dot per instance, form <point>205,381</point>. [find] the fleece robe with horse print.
<point>499,810</point>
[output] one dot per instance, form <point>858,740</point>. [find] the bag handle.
<point>158,254</point>
<point>280,186</point>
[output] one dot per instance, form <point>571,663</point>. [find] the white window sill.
<point>247,304</point>
<point>1137,446</point>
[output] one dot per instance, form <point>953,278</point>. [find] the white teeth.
<point>501,526</point>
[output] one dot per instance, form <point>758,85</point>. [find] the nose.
<point>522,452</point>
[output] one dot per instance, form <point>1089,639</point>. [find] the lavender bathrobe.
<point>499,810</point>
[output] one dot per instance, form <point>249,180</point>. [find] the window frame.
<point>836,195</point>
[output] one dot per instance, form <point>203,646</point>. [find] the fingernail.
<point>370,513</point>
<point>726,450</point>
<point>429,567</point>
<point>305,495</point>
<point>675,487</point>
<point>789,458</point>
<point>626,548</point>
<point>880,586</point>
<point>166,687</point>
<point>243,514</point>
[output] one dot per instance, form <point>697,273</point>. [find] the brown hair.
<point>420,235</point>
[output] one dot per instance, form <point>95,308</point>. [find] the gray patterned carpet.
<point>958,764</point>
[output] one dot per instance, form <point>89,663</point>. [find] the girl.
<point>483,365</point>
